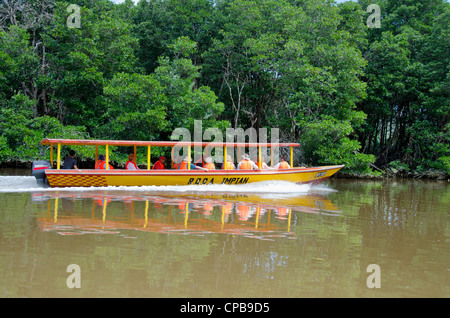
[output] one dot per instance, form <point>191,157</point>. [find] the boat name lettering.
<point>200,181</point>
<point>211,181</point>
<point>234,180</point>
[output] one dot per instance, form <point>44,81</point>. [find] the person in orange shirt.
<point>98,162</point>
<point>184,165</point>
<point>282,164</point>
<point>229,164</point>
<point>209,164</point>
<point>247,164</point>
<point>159,165</point>
<point>101,164</point>
<point>131,163</point>
<point>176,162</point>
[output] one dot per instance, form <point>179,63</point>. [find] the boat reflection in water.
<point>261,216</point>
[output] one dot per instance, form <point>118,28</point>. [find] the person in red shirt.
<point>159,165</point>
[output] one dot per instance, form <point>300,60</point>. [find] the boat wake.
<point>17,184</point>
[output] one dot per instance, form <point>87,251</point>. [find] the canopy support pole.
<point>292,157</point>
<point>271,156</point>
<point>149,152</point>
<point>96,155</point>
<point>58,158</point>
<point>259,158</point>
<point>224,157</point>
<point>51,155</point>
<point>107,158</point>
<point>189,159</point>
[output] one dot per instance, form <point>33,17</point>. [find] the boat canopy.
<point>87,142</point>
<point>149,144</point>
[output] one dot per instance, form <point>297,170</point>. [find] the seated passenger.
<point>209,164</point>
<point>247,164</point>
<point>200,162</point>
<point>131,163</point>
<point>159,165</point>
<point>176,162</point>
<point>98,161</point>
<point>184,165</point>
<point>102,164</point>
<point>70,162</point>
<point>282,164</point>
<point>264,164</point>
<point>229,164</point>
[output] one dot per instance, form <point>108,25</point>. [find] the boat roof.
<point>93,142</point>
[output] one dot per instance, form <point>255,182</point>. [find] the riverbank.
<point>390,174</point>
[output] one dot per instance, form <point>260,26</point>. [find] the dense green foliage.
<point>350,94</point>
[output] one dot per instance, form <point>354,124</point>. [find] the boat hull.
<point>104,178</point>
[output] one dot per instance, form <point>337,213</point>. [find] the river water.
<point>342,238</point>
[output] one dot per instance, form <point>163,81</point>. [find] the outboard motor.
<point>38,171</point>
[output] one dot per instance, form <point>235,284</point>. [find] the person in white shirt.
<point>264,165</point>
<point>131,164</point>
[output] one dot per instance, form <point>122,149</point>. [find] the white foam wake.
<point>28,184</point>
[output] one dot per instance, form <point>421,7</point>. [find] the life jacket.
<point>209,166</point>
<point>102,164</point>
<point>158,165</point>
<point>183,165</point>
<point>245,165</point>
<point>228,165</point>
<point>283,165</point>
<point>176,165</point>
<point>126,166</point>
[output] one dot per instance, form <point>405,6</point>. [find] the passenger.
<point>229,164</point>
<point>176,162</point>
<point>159,165</point>
<point>247,164</point>
<point>131,163</point>
<point>282,164</point>
<point>184,165</point>
<point>102,164</point>
<point>264,164</point>
<point>70,162</point>
<point>98,161</point>
<point>209,164</point>
<point>200,162</point>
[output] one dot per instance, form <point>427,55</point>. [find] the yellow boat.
<point>57,177</point>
